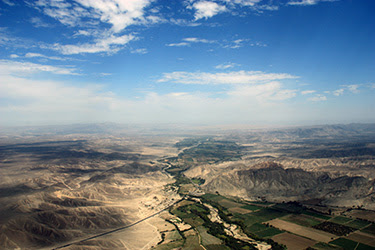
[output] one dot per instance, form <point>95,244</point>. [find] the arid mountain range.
<point>60,185</point>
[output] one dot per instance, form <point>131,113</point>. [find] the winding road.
<point>117,229</point>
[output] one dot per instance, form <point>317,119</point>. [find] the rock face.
<point>273,182</point>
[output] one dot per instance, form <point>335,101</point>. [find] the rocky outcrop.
<point>273,182</point>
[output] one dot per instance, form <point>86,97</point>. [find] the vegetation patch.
<point>370,229</point>
<point>358,223</point>
<point>192,243</point>
<point>251,207</point>
<point>316,214</point>
<point>213,197</point>
<point>345,243</point>
<point>325,246</point>
<point>301,219</point>
<point>266,214</point>
<point>208,239</point>
<point>229,204</point>
<point>269,232</point>
<point>340,220</point>
<point>334,228</point>
<point>197,210</point>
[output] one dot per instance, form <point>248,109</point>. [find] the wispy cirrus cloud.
<point>243,2</point>
<point>119,14</point>
<point>234,77</point>
<point>197,40</point>
<point>38,55</point>
<point>141,51</point>
<point>338,92</point>
<point>308,92</point>
<point>263,87</point>
<point>38,22</point>
<point>9,2</point>
<point>181,44</point>
<point>188,41</point>
<point>226,65</point>
<point>271,91</point>
<point>207,9</point>
<point>318,98</point>
<point>308,2</point>
<point>354,88</point>
<point>109,45</point>
<point>239,43</point>
<point>93,17</point>
<point>8,67</point>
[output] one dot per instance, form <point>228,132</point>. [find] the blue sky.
<point>214,62</point>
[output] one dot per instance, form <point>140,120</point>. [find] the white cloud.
<point>67,13</point>
<point>238,43</point>
<point>226,66</point>
<point>183,22</point>
<point>188,41</point>
<point>8,2</point>
<point>244,2</point>
<point>14,56</point>
<point>271,91</point>
<point>234,77</point>
<point>38,22</point>
<point>32,55</point>
<point>207,9</point>
<point>141,51</point>
<point>307,92</point>
<point>308,2</point>
<point>118,13</point>
<point>353,88</point>
<point>16,68</point>
<point>338,92</point>
<point>109,44</point>
<point>197,40</point>
<point>318,98</point>
<point>182,44</point>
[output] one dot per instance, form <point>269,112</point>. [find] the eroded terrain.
<point>113,187</point>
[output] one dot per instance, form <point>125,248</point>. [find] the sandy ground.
<point>293,241</point>
<point>364,238</point>
<point>310,233</point>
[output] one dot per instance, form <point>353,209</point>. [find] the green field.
<point>370,229</point>
<point>208,239</point>
<point>364,247</point>
<point>358,224</point>
<point>213,197</point>
<point>340,220</point>
<point>302,220</point>
<point>325,246</point>
<point>345,243</point>
<point>316,215</point>
<point>192,243</point>
<point>262,230</point>
<point>265,214</point>
<point>251,207</point>
<point>351,245</point>
<point>269,232</point>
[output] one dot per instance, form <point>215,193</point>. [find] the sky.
<point>209,62</point>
